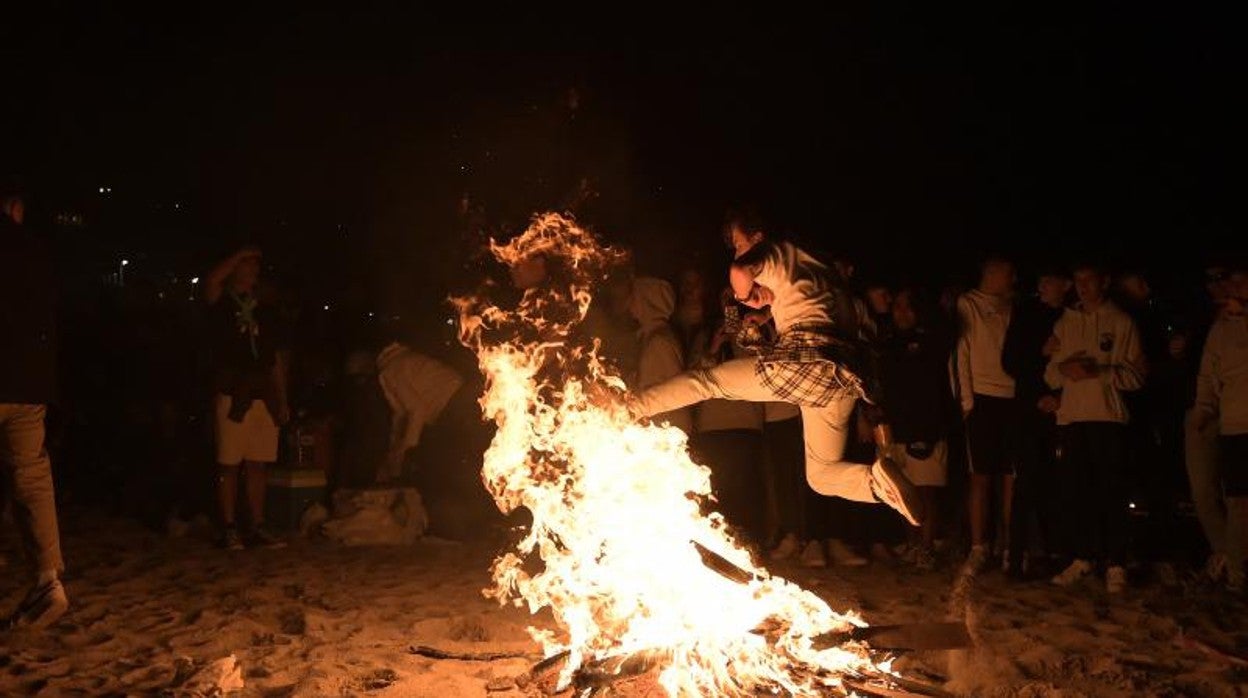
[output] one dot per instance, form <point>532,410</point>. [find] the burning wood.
<point>639,581</point>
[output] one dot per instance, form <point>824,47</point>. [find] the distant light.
<point>370,315</point>
<point>1131,505</point>
<point>125,262</point>
<point>177,206</point>
<point>101,190</point>
<point>195,280</point>
<point>450,321</point>
<point>327,306</point>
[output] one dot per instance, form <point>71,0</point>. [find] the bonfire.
<point>638,578</point>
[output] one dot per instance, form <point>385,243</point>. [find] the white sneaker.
<point>812,555</point>
<point>786,548</point>
<point>1076,571</point>
<point>890,485</point>
<point>42,606</point>
<point>1115,579</point>
<point>843,555</point>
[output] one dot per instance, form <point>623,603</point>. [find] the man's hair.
<point>1089,265</point>
<point>1054,271</point>
<point>745,217</point>
<point>994,260</point>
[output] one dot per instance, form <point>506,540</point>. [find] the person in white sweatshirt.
<point>1097,357</point>
<point>986,393</point>
<point>660,355</point>
<point>1222,397</point>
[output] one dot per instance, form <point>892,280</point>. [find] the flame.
<point>615,507</point>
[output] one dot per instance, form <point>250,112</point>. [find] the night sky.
<point>914,139</point>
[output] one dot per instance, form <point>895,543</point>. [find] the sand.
<point>319,619</point>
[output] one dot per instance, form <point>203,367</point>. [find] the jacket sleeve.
<point>1128,372</point>
<point>962,357</point>
<point>1207,389</point>
<point>1052,374</point>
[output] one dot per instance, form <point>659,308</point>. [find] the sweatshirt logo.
<point>1107,341</point>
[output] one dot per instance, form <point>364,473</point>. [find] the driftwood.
<point>907,636</point>
<point>435,653</point>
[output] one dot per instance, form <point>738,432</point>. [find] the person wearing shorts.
<point>248,351</point>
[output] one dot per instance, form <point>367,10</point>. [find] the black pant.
<point>1094,476</point>
<point>786,469</point>
<point>735,457</point>
<point>1032,508</point>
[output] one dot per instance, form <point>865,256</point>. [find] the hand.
<point>966,410</point>
<point>248,251</point>
<point>1048,404</point>
<point>755,319</point>
<point>1052,345</point>
<point>1203,419</point>
<point>1078,367</point>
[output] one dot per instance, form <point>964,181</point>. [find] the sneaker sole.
<point>900,494</point>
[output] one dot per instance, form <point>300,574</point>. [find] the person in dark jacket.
<point>1025,354</point>
<point>27,386</point>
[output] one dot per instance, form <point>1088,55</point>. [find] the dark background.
<point>344,141</point>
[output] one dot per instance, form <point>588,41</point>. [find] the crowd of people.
<point>1056,430</point>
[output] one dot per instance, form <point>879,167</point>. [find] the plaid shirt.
<point>810,366</point>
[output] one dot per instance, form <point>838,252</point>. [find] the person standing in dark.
<point>249,357</point>
<point>27,386</point>
<point>1024,356</point>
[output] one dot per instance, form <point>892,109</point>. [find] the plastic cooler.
<point>291,491</point>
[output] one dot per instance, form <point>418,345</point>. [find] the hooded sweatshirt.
<point>1222,386</point>
<point>984,318</point>
<point>1110,337</point>
<point>660,356</point>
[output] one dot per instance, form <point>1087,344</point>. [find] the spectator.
<point>1024,356</point>
<point>1097,357</point>
<point>1222,396</point>
<point>249,355</point>
<point>914,376</point>
<point>879,302</point>
<point>27,386</point>
<point>986,394</point>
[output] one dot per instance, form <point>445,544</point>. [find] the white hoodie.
<point>1222,386</point>
<point>1108,335</point>
<point>652,304</point>
<point>984,319</point>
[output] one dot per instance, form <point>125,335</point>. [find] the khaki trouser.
<point>825,429</point>
<point>25,460</point>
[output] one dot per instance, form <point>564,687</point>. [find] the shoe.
<point>788,546</point>
<point>230,540</point>
<point>844,556</point>
<point>262,537</point>
<point>812,555</point>
<point>1115,579</point>
<point>1235,580</point>
<point>42,606</point>
<point>891,486</point>
<point>924,558</point>
<point>1073,573</point>
<point>977,560</point>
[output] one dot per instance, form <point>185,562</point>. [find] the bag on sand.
<point>394,516</point>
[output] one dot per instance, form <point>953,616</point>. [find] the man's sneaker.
<point>891,486</point>
<point>786,548</point>
<point>843,555</point>
<point>1115,579</point>
<point>924,558</point>
<point>1076,571</point>
<point>230,540</point>
<point>41,607</point>
<point>261,537</point>
<point>1235,580</point>
<point>812,555</point>
<point>1216,567</point>
<point>977,560</point>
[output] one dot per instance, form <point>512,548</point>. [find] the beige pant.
<point>824,429</point>
<point>24,458</point>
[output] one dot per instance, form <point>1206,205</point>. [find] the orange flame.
<point>615,507</point>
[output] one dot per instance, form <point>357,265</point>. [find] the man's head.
<point>996,276</point>
<point>742,231</point>
<point>879,299</point>
<point>1091,284</point>
<point>1217,282</point>
<point>246,274</point>
<point>1133,287</point>
<point>1237,288</point>
<point>1053,285</point>
<point>905,315</point>
<point>13,207</point>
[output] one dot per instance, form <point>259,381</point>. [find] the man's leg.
<point>34,498</point>
<point>227,493</point>
<point>1201,457</point>
<point>1108,458</point>
<point>826,430</point>
<point>257,485</point>
<point>22,450</point>
<point>731,380</point>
